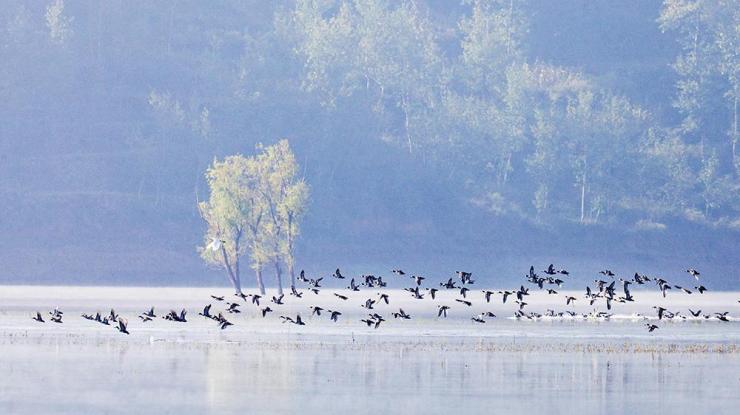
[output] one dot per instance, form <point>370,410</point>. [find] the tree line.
<point>531,139</point>
<point>454,94</point>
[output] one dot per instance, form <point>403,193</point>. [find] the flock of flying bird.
<point>605,290</point>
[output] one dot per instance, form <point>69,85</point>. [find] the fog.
<point>435,135</point>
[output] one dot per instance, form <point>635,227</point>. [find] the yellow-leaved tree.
<point>255,207</point>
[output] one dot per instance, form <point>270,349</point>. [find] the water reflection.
<point>266,378</point>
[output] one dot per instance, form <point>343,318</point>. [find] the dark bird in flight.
<point>569,299</point>
<point>353,286</point>
<point>418,279</point>
<point>206,312</point>
<point>298,320</point>
<point>122,326</point>
<point>550,270</point>
<point>383,297</point>
<point>487,294</point>
<point>294,292</point>
<point>173,316</point>
<point>217,298</point>
<point>694,273</point>
<point>660,310</point>
<point>521,293</point>
<point>278,300</point>
<point>398,272</point>
<point>442,311</point>
<point>334,315</point>
<point>38,317</point>
<point>607,272</point>
<point>701,289</point>
<point>432,292</point>
<point>340,296</point>
<point>478,319</point>
<point>551,291</point>
<point>316,310</point>
<point>113,316</point>
<point>506,295</point>
<point>651,327</point>
<point>368,304</point>
<point>401,314</point>
<point>465,277</point>
<point>233,308</point>
<point>224,323</point>
<point>256,299</point>
<point>265,311</point>
<point>448,285</point>
<point>338,275</point>
<point>695,313</point>
<point>467,303</point>
<point>150,313</point>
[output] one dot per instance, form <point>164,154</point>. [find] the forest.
<point>412,121</point>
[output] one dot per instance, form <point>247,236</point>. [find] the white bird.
<point>215,244</point>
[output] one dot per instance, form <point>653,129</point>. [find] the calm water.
<point>58,376</point>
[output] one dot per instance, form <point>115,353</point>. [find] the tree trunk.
<point>234,279</point>
<point>583,198</point>
<point>407,121</point>
<point>583,190</point>
<point>291,271</point>
<point>279,277</point>
<point>237,275</point>
<point>734,135</point>
<point>260,283</point>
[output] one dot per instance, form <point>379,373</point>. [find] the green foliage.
<point>707,90</point>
